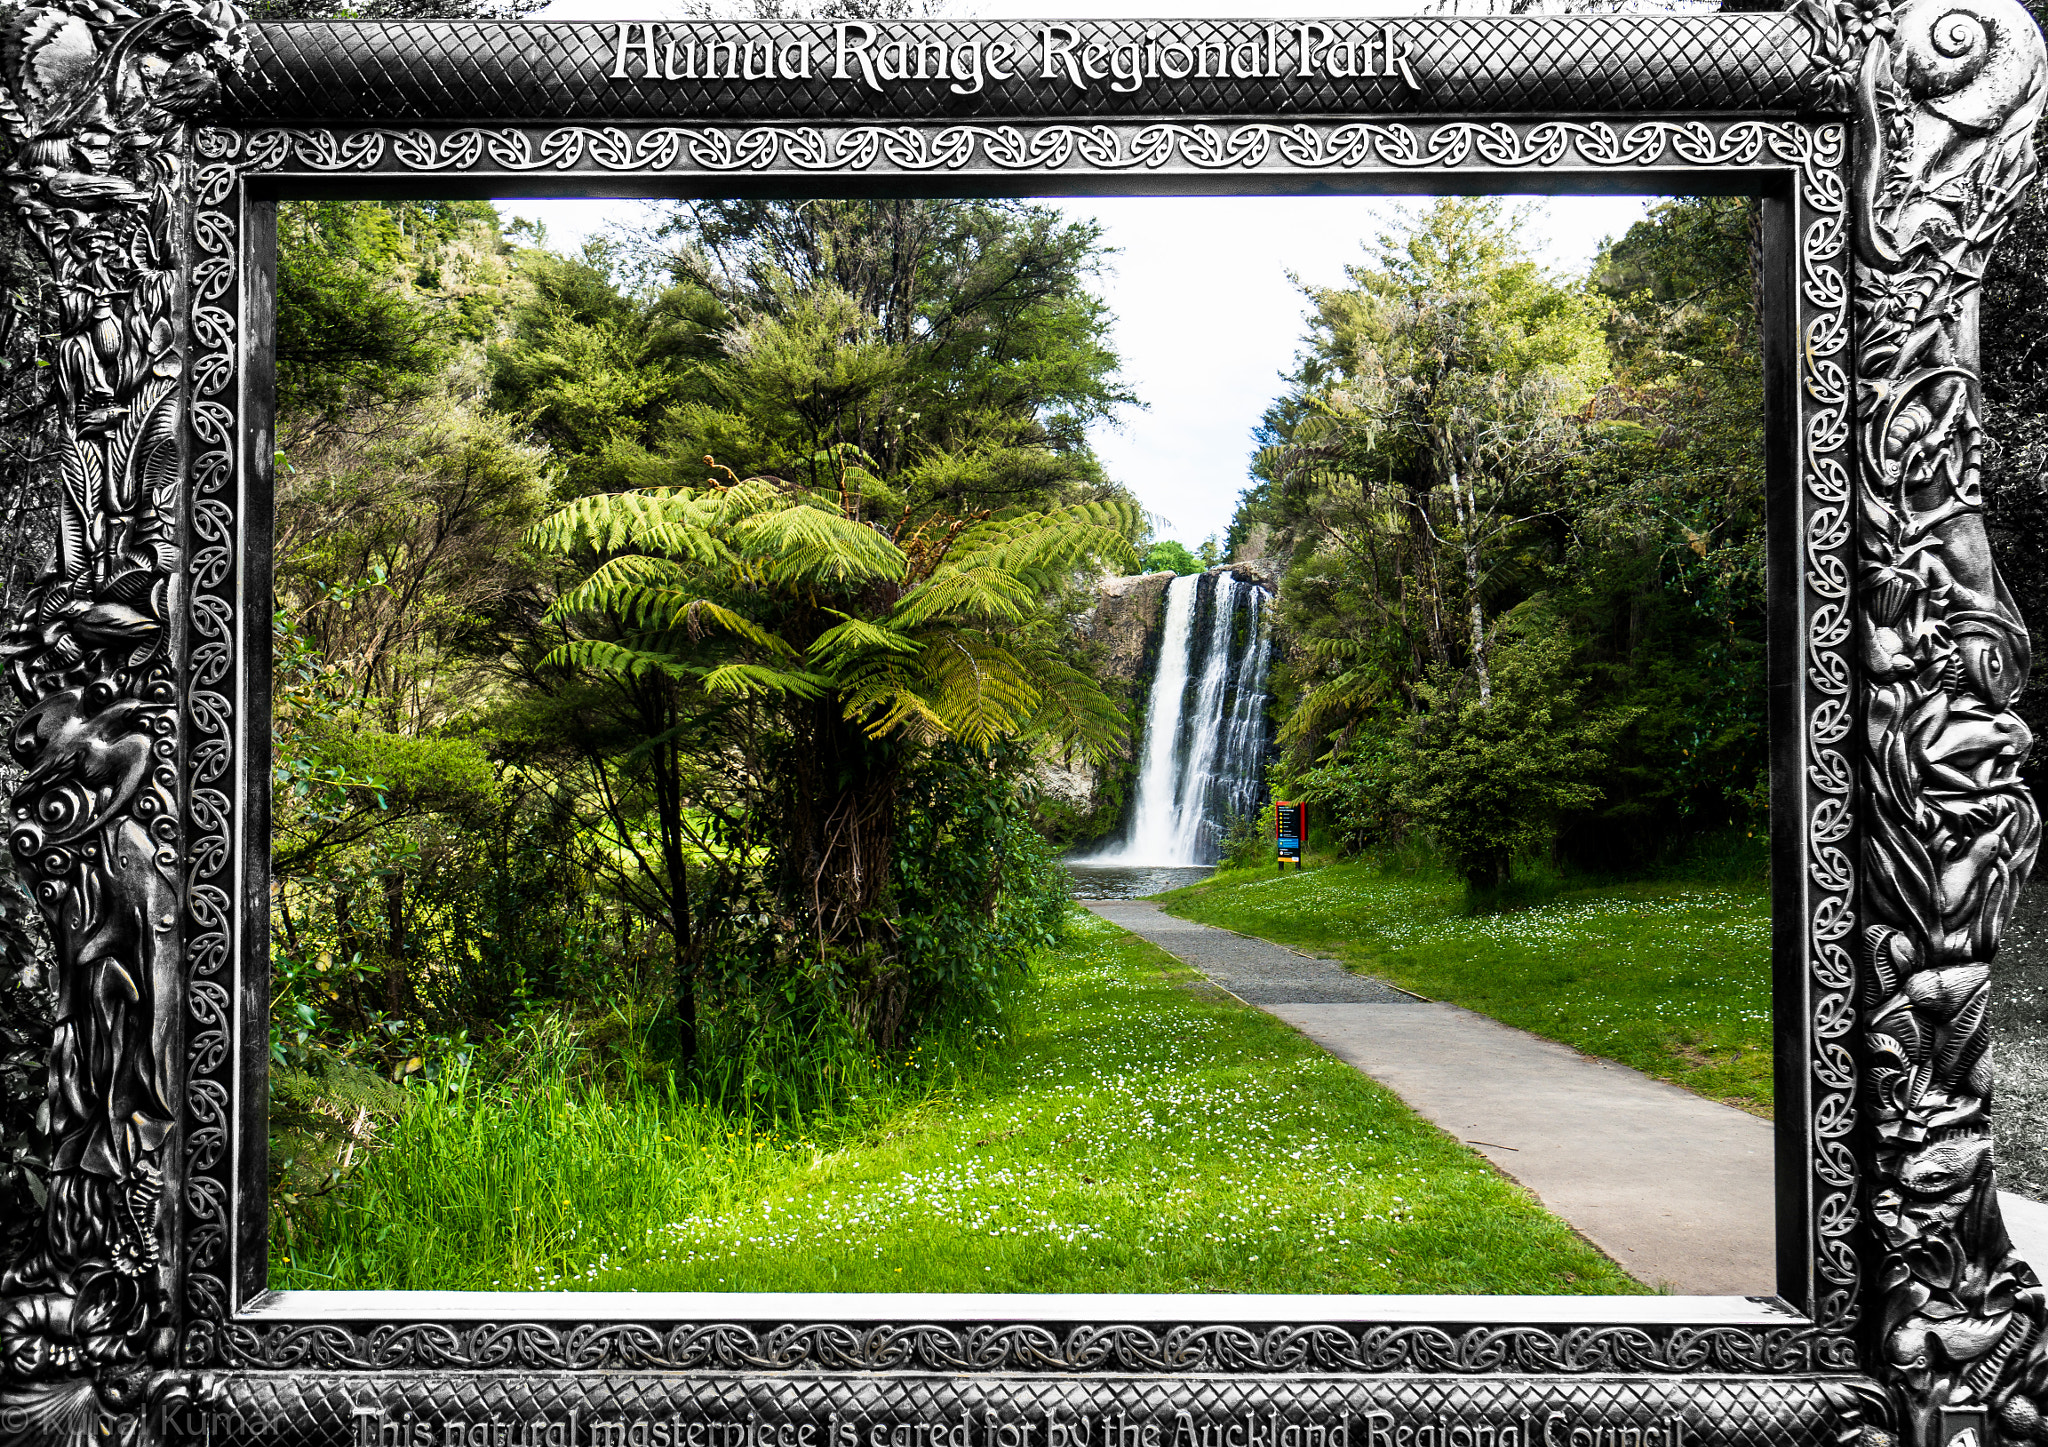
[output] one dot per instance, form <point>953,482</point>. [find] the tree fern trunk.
<point>675,864</point>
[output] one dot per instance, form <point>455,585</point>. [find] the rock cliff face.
<point>1261,570</point>
<point>1125,624</point>
<point>1080,802</point>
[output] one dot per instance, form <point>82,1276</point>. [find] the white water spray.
<point>1198,765</point>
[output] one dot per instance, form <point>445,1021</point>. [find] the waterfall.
<point>1205,724</point>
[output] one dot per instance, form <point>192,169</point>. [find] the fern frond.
<point>631,586</point>
<point>1047,542</point>
<point>884,702</point>
<point>817,544</point>
<point>669,521</point>
<point>729,506</point>
<point>636,589</point>
<point>612,660</point>
<point>977,593</point>
<point>837,644</point>
<point>1073,709</point>
<point>1332,647</point>
<point>1332,704</point>
<point>751,680</point>
<point>978,688</point>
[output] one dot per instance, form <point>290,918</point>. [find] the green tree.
<point>997,341</point>
<point>1438,391</point>
<point>923,371</point>
<point>864,638</point>
<point>401,584</point>
<point>1462,367</point>
<point>1661,573</point>
<point>1168,556</point>
<point>1629,517</point>
<point>1489,779</point>
<point>371,305</point>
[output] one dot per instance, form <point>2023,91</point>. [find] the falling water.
<point>1205,724</point>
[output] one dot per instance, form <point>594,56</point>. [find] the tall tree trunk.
<point>833,866</point>
<point>1424,571</point>
<point>1467,507</point>
<point>345,922</point>
<point>284,916</point>
<point>668,802</point>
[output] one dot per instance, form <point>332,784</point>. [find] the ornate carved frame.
<point>1887,146</point>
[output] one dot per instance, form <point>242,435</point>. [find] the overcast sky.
<point>1207,319</point>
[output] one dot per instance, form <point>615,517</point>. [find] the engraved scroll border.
<point>1813,151</point>
<point>1304,145</point>
<point>208,1188</point>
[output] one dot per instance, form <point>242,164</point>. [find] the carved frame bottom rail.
<point>640,1410</point>
<point>1887,145</point>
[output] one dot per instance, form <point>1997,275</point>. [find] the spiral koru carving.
<point>96,102</point>
<point>1946,98</point>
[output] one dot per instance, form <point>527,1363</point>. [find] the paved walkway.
<point>1674,1187</point>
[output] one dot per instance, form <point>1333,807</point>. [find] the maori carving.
<point>1346,146</point>
<point>1946,100</point>
<point>96,103</point>
<point>1908,758</point>
<point>1814,154</point>
<point>1022,1347</point>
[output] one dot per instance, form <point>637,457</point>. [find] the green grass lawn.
<point>1670,978</point>
<point>1131,1134</point>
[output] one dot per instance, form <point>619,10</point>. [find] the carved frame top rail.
<point>367,73</point>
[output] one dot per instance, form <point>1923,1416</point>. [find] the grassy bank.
<point>1129,1134</point>
<point>1672,978</point>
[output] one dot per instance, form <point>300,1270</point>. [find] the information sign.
<point>1290,827</point>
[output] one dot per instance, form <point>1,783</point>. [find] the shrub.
<point>977,892</point>
<point>1355,793</point>
<point>1490,780</point>
<point>1248,841</point>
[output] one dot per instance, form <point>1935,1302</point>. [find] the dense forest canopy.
<point>688,617</point>
<point>1522,520</point>
<point>678,618</point>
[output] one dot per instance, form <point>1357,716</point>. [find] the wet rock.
<point>1124,625</point>
<point>1079,802</point>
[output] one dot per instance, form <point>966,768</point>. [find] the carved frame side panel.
<point>1946,99</point>
<point>227,1033</point>
<point>1901,834</point>
<point>95,109</point>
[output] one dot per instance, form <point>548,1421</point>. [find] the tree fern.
<point>714,586</point>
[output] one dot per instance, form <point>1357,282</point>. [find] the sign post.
<point>1290,827</point>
